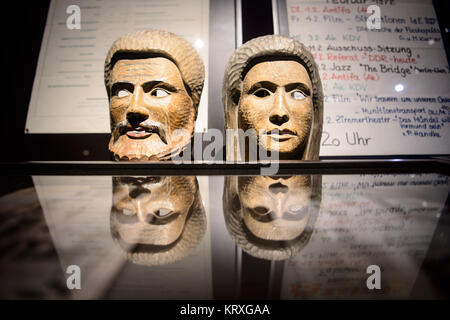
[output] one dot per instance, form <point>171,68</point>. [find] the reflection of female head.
<point>271,217</point>
<point>157,220</point>
<point>272,85</point>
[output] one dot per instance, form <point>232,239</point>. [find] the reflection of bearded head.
<point>157,220</point>
<point>154,80</point>
<point>271,217</point>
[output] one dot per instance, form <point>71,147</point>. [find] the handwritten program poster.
<point>364,220</point>
<point>386,89</point>
<point>69,94</point>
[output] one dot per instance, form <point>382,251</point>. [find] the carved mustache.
<point>148,126</point>
<point>137,181</point>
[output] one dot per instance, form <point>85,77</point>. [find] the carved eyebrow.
<point>121,85</point>
<point>149,85</point>
<point>298,85</point>
<point>272,87</point>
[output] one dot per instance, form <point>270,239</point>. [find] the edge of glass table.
<point>437,165</point>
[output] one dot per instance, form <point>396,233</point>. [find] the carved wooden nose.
<point>135,117</point>
<point>276,188</point>
<point>279,118</point>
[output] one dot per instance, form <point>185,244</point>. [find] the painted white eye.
<point>295,209</point>
<point>163,212</point>
<point>297,95</point>
<point>123,93</point>
<point>159,93</point>
<point>127,212</point>
<point>261,210</point>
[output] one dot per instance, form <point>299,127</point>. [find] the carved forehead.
<point>142,70</point>
<point>280,72</point>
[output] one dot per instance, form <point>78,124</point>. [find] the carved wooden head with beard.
<point>157,220</point>
<point>154,81</point>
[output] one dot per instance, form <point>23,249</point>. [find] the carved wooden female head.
<point>272,85</point>
<point>154,81</point>
<point>271,217</point>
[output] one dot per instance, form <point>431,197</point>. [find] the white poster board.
<point>69,94</point>
<point>387,90</point>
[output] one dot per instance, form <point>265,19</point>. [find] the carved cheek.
<point>303,110</point>
<point>117,111</point>
<point>119,194</point>
<point>253,112</point>
<point>181,112</point>
<point>252,194</point>
<point>182,193</point>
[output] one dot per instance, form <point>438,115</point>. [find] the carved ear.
<point>235,96</point>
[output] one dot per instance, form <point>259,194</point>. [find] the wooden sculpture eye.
<point>298,95</point>
<point>262,93</point>
<point>163,213</point>
<point>160,93</point>
<point>128,212</point>
<point>123,93</point>
<point>122,89</point>
<point>261,210</point>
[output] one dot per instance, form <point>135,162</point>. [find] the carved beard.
<point>151,148</point>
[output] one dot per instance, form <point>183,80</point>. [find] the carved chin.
<point>147,149</point>
<point>292,144</point>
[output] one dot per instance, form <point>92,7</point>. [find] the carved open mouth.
<point>143,132</point>
<point>139,133</point>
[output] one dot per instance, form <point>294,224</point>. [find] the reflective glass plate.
<point>330,236</point>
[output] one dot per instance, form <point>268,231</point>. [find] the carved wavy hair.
<point>164,44</point>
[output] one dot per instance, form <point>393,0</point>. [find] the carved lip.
<point>281,135</point>
<point>139,133</point>
<point>143,132</point>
